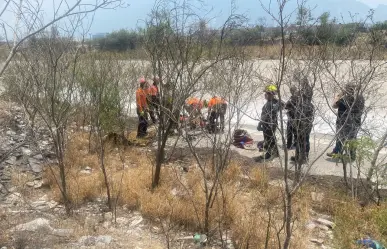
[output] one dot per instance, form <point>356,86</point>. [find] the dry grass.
<point>354,222</point>
<point>272,52</point>
<point>243,208</point>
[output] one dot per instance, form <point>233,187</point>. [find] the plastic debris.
<point>370,243</point>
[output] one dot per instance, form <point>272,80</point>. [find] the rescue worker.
<point>290,106</point>
<point>350,105</point>
<point>222,112</point>
<point>303,84</point>
<point>215,113</point>
<point>302,125</point>
<point>268,124</point>
<point>170,113</point>
<point>194,108</point>
<point>142,108</point>
<point>154,100</point>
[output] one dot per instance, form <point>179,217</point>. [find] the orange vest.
<point>195,102</point>
<point>141,95</point>
<point>215,101</point>
<point>153,90</point>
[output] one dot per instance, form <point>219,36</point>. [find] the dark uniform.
<point>303,124</point>
<point>268,125</point>
<point>217,108</point>
<point>350,109</point>
<point>290,106</point>
<point>303,121</point>
<point>154,102</point>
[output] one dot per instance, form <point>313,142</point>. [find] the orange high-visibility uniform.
<point>215,101</point>
<point>153,90</point>
<point>141,95</point>
<point>197,103</point>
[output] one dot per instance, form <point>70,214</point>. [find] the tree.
<point>48,73</point>
<point>121,40</point>
<point>304,16</point>
<point>177,58</point>
<point>99,78</point>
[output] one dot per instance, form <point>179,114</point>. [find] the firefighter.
<point>268,123</point>
<point>154,100</point>
<point>350,105</point>
<point>302,125</point>
<point>290,106</point>
<point>142,108</point>
<point>303,84</point>
<point>171,114</point>
<point>222,112</point>
<point>194,108</point>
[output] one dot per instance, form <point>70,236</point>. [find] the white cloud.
<point>373,3</point>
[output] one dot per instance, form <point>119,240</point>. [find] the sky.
<point>373,3</point>
<point>108,20</point>
<point>134,15</point>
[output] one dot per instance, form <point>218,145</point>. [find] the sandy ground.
<point>326,87</point>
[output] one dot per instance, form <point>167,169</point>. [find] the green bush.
<point>121,40</point>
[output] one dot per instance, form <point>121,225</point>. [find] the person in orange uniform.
<point>154,100</point>
<point>142,108</point>
<point>194,107</point>
<point>217,107</point>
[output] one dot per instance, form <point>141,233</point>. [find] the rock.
<point>90,223</point>
<point>106,239</point>
<point>330,235</point>
<point>94,240</point>
<point>38,157</point>
<point>229,244</point>
<point>35,184</point>
<point>108,216</point>
<point>280,183</point>
<point>14,199</point>
<point>42,225</point>
<point>44,205</point>
<point>122,221</point>
<point>35,165</point>
<point>86,170</point>
<point>10,133</point>
<point>33,226</point>
<point>174,192</point>
<point>325,222</point>
<point>317,241</point>
<point>136,221</point>
<point>11,160</point>
<point>323,227</point>
<point>310,226</point>
<point>43,198</point>
<point>324,216</point>
<point>317,196</point>
<point>26,151</point>
<point>106,224</point>
<point>62,232</point>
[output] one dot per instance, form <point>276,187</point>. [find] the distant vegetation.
<point>305,31</point>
